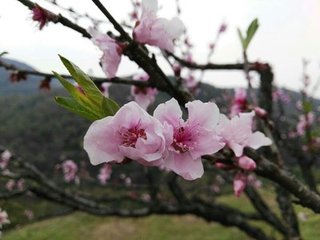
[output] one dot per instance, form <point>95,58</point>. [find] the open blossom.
<point>4,218</point>
<point>70,169</point>
<point>190,139</point>
<point>239,183</point>
<point>155,31</point>
<point>111,49</point>
<point>239,103</point>
<point>144,96</point>
<point>237,133</point>
<point>4,159</point>
<point>10,185</point>
<point>42,16</point>
<point>131,133</point>
<point>21,184</point>
<point>304,123</point>
<point>29,214</point>
<point>104,173</point>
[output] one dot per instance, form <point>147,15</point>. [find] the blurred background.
<point>35,128</point>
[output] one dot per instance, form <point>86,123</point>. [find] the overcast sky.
<point>289,31</point>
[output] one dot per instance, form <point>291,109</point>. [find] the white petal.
<point>175,28</point>
<point>257,140</point>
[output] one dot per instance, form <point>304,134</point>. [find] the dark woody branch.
<point>115,80</point>
<point>286,180</point>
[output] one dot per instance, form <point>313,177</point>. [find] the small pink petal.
<point>239,183</point>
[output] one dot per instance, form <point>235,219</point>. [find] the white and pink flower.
<point>156,31</point>
<point>70,169</point>
<point>237,133</point>
<point>4,159</point>
<point>105,173</point>
<point>111,49</point>
<point>239,103</point>
<point>131,133</point>
<point>10,185</point>
<point>305,121</point>
<point>4,219</point>
<point>190,139</point>
<point>239,183</point>
<point>144,96</point>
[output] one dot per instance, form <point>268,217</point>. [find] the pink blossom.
<point>4,159</point>
<point>191,83</point>
<point>237,133</point>
<point>21,184</point>
<point>146,197</point>
<point>305,121</point>
<point>155,31</point>
<point>215,188</point>
<point>105,173</point>
<point>144,96</point>
<point>10,185</point>
<point>29,214</point>
<point>105,89</point>
<point>131,133</point>
<point>280,95</point>
<point>239,183</point>
<point>127,181</point>
<point>190,139</point>
<point>4,218</point>
<point>111,49</point>
<point>42,16</point>
<point>246,163</point>
<point>239,103</point>
<point>70,169</point>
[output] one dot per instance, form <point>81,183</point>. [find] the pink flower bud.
<point>260,112</point>
<point>246,163</point>
<point>239,183</point>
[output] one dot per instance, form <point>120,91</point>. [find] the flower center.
<point>182,139</point>
<point>130,136</point>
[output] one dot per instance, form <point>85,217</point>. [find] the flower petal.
<point>169,112</point>
<point>257,140</point>
<point>205,115</point>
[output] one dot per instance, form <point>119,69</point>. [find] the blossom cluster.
<point>167,141</point>
<point>149,29</point>
<point>5,157</point>
<point>4,219</point>
<point>69,169</point>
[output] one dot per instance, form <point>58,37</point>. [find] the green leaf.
<point>252,29</point>
<point>75,107</point>
<point>242,40</point>
<point>72,90</point>
<point>88,86</point>
<point>109,106</point>
<point>91,100</point>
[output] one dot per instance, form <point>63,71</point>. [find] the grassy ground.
<point>81,226</point>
